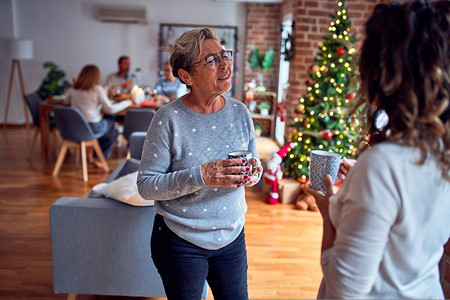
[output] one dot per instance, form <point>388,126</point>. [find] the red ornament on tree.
<point>327,135</point>
<point>326,69</point>
<point>350,96</point>
<point>340,51</point>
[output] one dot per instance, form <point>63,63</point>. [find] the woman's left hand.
<point>231,172</point>
<point>255,172</point>
<point>344,168</point>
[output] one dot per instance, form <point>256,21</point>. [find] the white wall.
<point>67,33</point>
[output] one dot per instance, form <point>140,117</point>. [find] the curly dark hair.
<point>405,72</point>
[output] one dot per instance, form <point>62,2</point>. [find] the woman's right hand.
<point>225,172</point>
<point>344,168</point>
<point>322,200</point>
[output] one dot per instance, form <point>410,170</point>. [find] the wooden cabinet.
<point>266,122</point>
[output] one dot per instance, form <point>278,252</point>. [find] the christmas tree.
<point>322,116</point>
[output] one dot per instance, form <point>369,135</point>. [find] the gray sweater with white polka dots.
<point>178,142</point>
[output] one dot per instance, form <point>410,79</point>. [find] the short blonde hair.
<point>187,47</point>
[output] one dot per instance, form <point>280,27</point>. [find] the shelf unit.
<point>267,123</point>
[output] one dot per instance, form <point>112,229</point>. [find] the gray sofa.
<point>101,246</point>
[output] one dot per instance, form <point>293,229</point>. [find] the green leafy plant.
<point>264,105</point>
<point>261,61</point>
<point>258,130</point>
<point>54,82</point>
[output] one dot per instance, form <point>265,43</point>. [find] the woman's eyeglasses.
<point>214,59</point>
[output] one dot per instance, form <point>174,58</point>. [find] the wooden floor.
<point>283,243</point>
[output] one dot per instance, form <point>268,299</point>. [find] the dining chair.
<point>136,144</point>
<point>76,132</point>
<point>33,100</point>
<point>136,119</point>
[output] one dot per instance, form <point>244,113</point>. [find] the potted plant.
<point>258,130</point>
<point>54,83</point>
<point>264,108</point>
<point>261,61</point>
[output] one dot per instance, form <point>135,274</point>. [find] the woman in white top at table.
<point>89,96</point>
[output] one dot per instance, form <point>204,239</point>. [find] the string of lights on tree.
<point>322,120</point>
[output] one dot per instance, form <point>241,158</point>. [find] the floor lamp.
<point>17,49</point>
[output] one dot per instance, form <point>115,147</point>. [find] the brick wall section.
<point>311,19</point>
<point>263,32</point>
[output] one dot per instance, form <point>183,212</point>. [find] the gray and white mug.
<point>322,163</point>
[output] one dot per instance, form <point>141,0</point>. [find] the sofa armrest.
<point>125,167</point>
<point>115,172</point>
<point>101,246</point>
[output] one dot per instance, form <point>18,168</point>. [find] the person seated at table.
<point>88,95</point>
<point>120,79</point>
<point>170,87</point>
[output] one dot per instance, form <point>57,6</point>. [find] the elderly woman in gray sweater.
<point>199,193</point>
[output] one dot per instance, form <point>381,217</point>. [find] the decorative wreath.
<point>288,47</point>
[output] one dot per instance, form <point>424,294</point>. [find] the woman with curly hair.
<point>384,230</point>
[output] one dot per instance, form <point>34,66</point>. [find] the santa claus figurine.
<point>273,173</point>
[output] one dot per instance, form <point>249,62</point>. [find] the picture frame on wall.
<point>228,36</point>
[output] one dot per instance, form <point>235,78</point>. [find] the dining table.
<point>46,107</point>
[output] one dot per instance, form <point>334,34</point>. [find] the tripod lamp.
<point>17,49</point>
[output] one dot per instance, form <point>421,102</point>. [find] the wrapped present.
<point>289,190</point>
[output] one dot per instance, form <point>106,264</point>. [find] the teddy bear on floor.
<point>305,201</point>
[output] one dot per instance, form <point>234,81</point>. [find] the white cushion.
<point>123,189</point>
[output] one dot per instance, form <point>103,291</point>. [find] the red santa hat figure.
<point>273,173</point>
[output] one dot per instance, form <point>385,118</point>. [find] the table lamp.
<point>17,49</point>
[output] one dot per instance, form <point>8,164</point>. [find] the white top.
<point>392,218</point>
<point>93,102</point>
